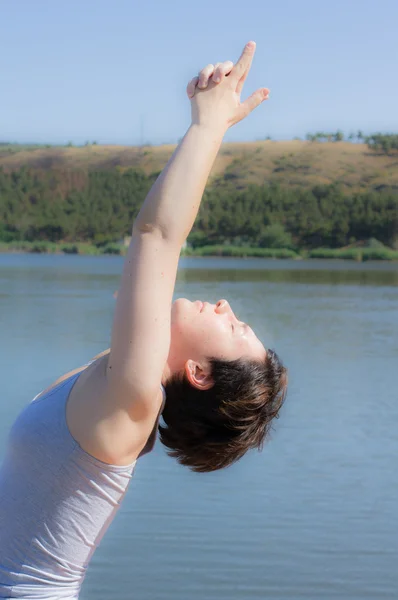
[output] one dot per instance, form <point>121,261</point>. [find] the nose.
<point>222,306</point>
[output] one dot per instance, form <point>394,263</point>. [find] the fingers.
<point>242,67</point>
<point>204,76</point>
<point>241,82</point>
<point>191,87</point>
<point>221,70</point>
<point>252,102</point>
<point>215,72</point>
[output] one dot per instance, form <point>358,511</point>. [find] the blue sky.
<point>116,71</point>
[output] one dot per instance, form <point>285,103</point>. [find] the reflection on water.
<point>47,268</point>
<point>311,272</point>
<point>312,517</point>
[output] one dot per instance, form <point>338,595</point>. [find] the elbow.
<point>142,228</point>
<point>156,231</point>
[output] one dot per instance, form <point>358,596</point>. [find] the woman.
<point>72,451</point>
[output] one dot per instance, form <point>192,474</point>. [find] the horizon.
<point>174,143</point>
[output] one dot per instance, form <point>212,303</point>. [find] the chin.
<point>183,309</point>
<point>180,303</point>
<point>179,308</point>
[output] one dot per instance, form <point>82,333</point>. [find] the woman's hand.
<point>215,93</point>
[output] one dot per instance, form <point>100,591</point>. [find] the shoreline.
<point>87,249</point>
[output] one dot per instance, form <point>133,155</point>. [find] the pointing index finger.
<point>244,63</point>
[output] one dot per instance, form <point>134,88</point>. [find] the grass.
<point>358,254</point>
<point>289,163</point>
<point>241,251</point>
<point>84,248</point>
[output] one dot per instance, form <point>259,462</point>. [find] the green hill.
<point>288,163</point>
<point>270,195</point>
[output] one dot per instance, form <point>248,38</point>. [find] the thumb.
<point>252,102</point>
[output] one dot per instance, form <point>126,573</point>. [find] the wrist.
<point>211,132</point>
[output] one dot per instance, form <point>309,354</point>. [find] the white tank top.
<point>56,502</point>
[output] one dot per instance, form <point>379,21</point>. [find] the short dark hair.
<point>210,429</point>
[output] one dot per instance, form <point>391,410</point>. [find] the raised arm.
<point>141,328</point>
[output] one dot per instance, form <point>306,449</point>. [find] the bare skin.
<point>114,403</point>
<point>226,337</point>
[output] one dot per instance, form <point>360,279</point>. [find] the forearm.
<point>173,202</point>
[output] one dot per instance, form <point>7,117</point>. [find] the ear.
<point>198,375</point>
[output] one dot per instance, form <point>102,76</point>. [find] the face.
<point>200,329</point>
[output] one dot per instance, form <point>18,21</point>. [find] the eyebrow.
<point>246,327</point>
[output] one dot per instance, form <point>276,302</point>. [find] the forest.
<point>59,202</point>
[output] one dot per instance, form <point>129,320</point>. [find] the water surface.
<point>313,516</point>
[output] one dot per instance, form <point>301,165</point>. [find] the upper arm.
<point>141,327</point>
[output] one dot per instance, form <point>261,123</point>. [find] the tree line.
<point>378,142</point>
<point>384,142</point>
<point>100,207</point>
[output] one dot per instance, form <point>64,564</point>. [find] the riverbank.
<point>83,248</point>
